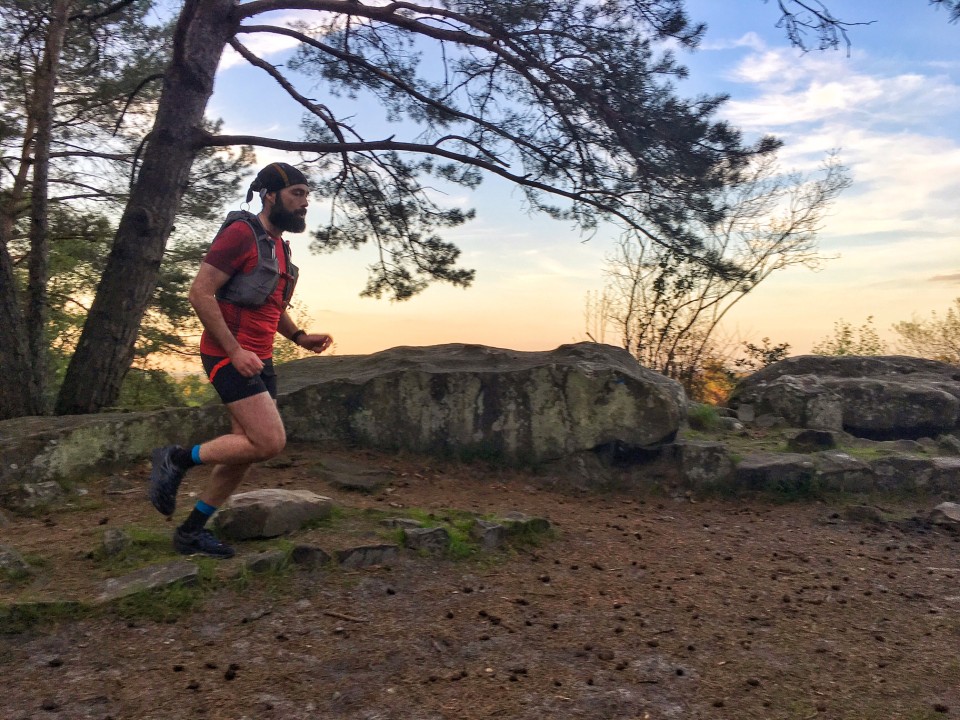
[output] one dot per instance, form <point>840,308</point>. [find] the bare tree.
<point>666,309</point>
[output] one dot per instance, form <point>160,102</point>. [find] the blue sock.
<point>195,456</point>
<point>198,517</point>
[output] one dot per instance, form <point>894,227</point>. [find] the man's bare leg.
<point>224,479</point>
<point>256,434</point>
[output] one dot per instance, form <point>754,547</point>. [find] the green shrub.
<point>703,417</point>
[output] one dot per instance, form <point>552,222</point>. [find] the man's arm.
<point>203,298</point>
<point>317,342</point>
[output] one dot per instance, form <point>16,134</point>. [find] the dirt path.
<point>637,607</point>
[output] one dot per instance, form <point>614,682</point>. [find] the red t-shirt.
<point>234,251</point>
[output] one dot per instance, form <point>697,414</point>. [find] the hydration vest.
<point>252,289</point>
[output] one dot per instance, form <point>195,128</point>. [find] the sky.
<point>889,107</point>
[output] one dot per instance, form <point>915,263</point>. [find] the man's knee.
<point>269,443</point>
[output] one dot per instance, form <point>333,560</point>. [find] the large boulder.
<point>38,451</point>
<point>876,397</point>
<point>476,401</point>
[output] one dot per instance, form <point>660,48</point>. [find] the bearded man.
<point>241,294</point>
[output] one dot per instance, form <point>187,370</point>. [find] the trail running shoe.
<point>201,542</point>
<point>165,477</point>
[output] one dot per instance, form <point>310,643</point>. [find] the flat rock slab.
<point>154,577</point>
<point>352,476</point>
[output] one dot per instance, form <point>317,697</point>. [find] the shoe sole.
<point>188,553</point>
<point>186,550</point>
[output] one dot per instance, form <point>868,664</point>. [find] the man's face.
<point>289,211</point>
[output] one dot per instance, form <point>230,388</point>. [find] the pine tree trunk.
<point>105,349</point>
<point>16,399</point>
<point>45,86</point>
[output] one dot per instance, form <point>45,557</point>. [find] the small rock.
<point>266,561</point>
<point>731,424</point>
<point>309,556</point>
<point>770,421</point>
<point>115,542</point>
<point>490,535</point>
<point>367,555</point>
<point>431,540</point>
<point>863,513</point>
<point>400,522</point>
<point>517,522</point>
<point>42,493</point>
<point>12,563</point>
<point>746,413</point>
<point>946,513</point>
<point>949,444</point>
<point>808,441</point>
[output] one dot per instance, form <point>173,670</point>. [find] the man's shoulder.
<point>238,231</point>
<point>233,247</point>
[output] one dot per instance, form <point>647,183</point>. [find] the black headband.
<point>276,176</point>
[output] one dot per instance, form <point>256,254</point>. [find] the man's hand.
<point>316,342</point>
<point>247,363</point>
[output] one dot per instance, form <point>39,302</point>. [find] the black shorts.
<point>231,385</point>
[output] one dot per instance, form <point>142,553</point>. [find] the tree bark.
<point>45,86</point>
<point>15,397</point>
<point>22,347</point>
<point>105,349</point>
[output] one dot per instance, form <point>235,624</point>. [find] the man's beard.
<point>286,221</point>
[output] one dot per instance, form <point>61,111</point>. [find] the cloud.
<point>789,97</point>
<point>955,277</point>
<point>749,40</point>
<point>900,183</point>
<point>892,129</point>
<point>265,45</point>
